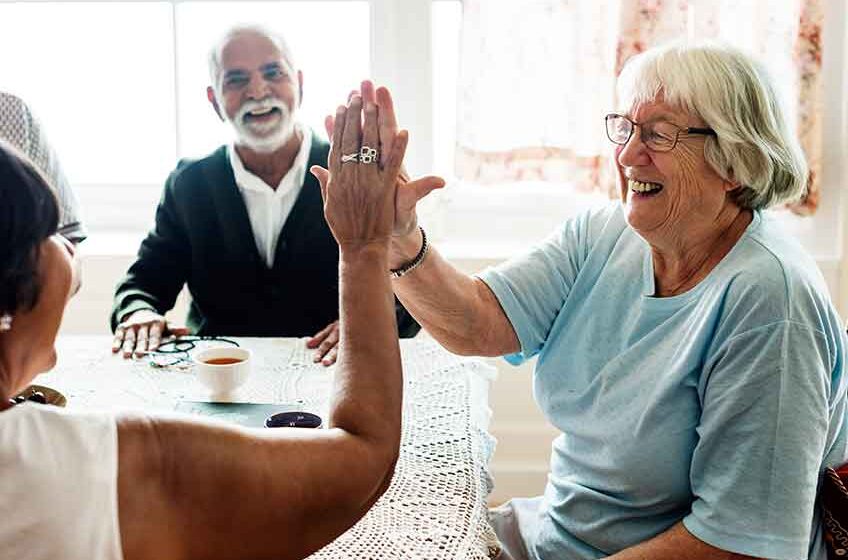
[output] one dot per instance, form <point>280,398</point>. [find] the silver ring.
<point>367,155</point>
<point>346,158</point>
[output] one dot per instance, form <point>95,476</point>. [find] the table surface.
<point>435,507</point>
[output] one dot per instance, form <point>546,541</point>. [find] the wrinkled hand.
<point>408,192</point>
<point>142,332</point>
<point>359,199</point>
<point>327,342</point>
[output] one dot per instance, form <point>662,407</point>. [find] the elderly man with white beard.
<point>244,227</point>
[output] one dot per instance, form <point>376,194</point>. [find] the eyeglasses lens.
<point>658,136</point>
<point>619,129</point>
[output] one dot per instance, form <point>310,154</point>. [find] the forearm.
<point>186,486</point>
<point>456,309</point>
<point>368,380</point>
<point>676,544</point>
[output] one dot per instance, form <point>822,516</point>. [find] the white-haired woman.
<point>687,347</point>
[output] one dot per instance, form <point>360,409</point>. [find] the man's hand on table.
<point>142,332</point>
<point>327,343</point>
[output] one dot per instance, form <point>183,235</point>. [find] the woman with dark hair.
<point>79,485</point>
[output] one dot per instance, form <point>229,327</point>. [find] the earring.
<point>6,322</point>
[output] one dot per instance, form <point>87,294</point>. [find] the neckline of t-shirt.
<point>16,409</point>
<point>648,287</point>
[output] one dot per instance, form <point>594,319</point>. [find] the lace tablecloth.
<point>435,507</point>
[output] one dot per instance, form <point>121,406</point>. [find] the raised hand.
<point>408,192</point>
<point>359,195</point>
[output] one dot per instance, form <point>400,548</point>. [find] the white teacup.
<point>223,369</point>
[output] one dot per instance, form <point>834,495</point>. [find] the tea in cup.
<point>223,369</point>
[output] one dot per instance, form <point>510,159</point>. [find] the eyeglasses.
<point>658,136</point>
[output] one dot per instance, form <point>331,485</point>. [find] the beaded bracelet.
<point>411,265</point>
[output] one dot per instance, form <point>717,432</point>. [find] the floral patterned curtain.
<point>537,76</point>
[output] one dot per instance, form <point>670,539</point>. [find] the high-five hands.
<point>408,192</point>
<point>358,192</point>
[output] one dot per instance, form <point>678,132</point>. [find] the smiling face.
<point>257,91</point>
<point>668,194</point>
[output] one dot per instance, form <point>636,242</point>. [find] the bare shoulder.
<point>142,494</point>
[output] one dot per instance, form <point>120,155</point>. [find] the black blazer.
<point>203,238</point>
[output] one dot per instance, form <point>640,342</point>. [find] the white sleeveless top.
<point>58,484</point>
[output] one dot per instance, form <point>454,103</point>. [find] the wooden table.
<point>435,507</point>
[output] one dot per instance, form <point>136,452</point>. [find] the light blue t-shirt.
<point>717,407</point>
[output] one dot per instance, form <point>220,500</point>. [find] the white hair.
<point>735,96</point>
<point>214,58</point>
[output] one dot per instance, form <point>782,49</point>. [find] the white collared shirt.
<point>267,208</point>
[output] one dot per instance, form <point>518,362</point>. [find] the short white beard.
<point>264,143</point>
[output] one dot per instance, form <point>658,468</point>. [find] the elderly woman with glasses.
<point>687,348</point>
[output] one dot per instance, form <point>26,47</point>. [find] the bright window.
<point>326,82</point>
<point>121,91</point>
<point>498,220</point>
<point>447,21</point>
<point>103,86</point>
<point>484,220</point>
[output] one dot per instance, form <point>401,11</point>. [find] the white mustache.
<point>262,105</point>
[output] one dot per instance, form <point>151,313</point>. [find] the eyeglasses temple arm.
<point>707,131</point>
